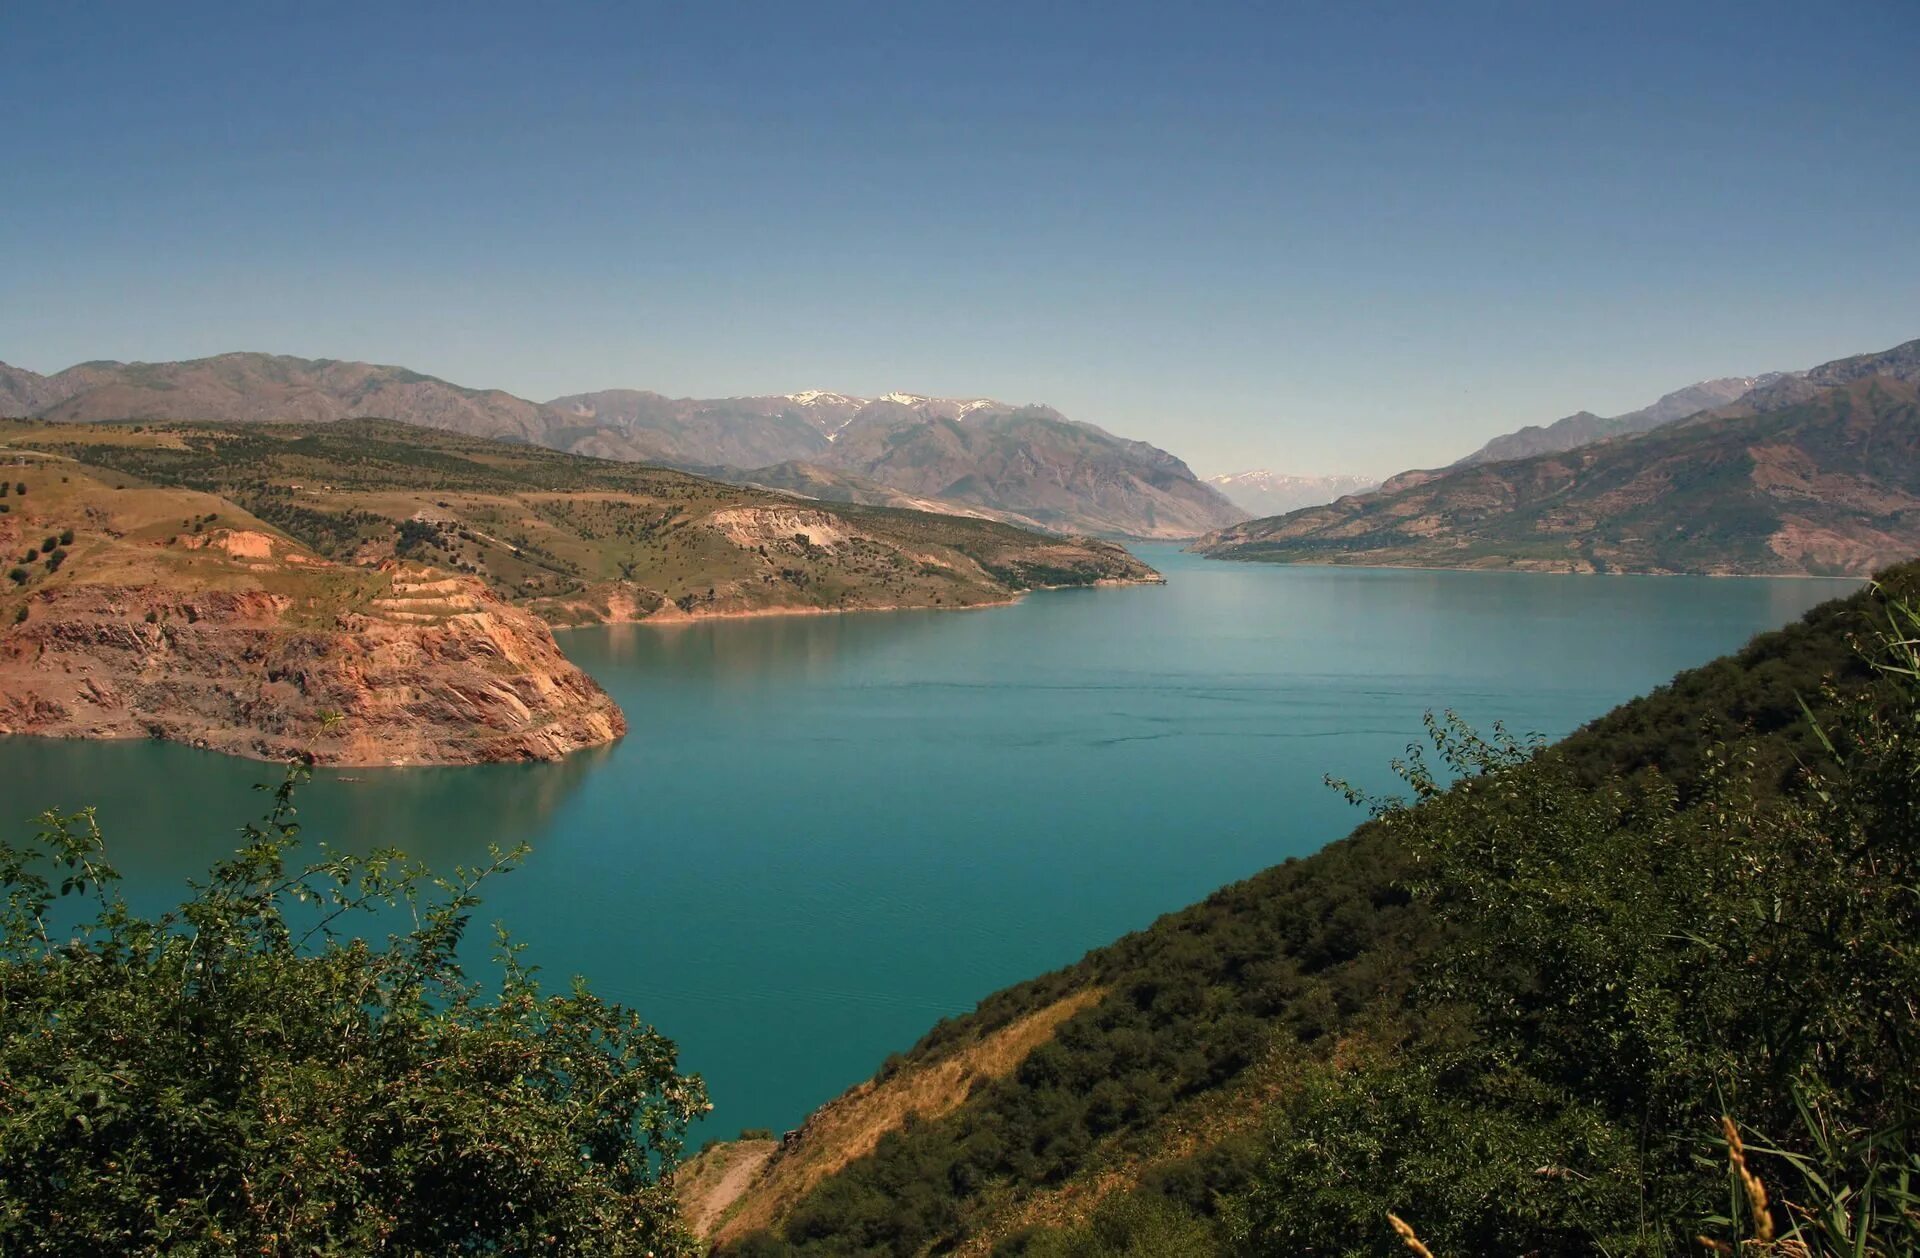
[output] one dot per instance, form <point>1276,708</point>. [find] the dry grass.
<point>707,1184</point>
<point>849,1128</point>
<point>1408,1236</point>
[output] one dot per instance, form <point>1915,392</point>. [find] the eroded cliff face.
<point>435,671</point>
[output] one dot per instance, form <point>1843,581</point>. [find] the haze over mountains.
<point>1028,464</point>
<point>1815,472</point>
<point>1262,492</point>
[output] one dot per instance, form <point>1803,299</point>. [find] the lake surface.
<point>826,832</point>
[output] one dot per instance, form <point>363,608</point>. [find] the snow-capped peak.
<point>904,399</point>
<point>823,397</point>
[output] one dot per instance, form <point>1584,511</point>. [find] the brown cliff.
<point>238,640</point>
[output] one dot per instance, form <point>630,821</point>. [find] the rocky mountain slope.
<point>685,432</point>
<point>1025,463</point>
<point>1781,482</point>
<point>1585,428</point>
<point>167,613</point>
<point>254,388</point>
<point>1035,463</point>
<point>1262,493</point>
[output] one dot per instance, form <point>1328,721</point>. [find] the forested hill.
<point>1511,1014</point>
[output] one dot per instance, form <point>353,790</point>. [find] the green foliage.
<point>243,1075</point>
<point>1488,1164</point>
<point>1649,962</point>
<point>18,575</point>
<point>1123,1227</point>
<point>415,535</point>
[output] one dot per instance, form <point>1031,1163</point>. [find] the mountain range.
<point>1027,464</point>
<point>1810,473</point>
<point>1262,492</point>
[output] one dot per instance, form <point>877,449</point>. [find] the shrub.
<point>18,575</point>
<point>238,1075</point>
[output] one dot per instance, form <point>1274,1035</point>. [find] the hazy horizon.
<point>1318,242</point>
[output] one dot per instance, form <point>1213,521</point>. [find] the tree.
<point>242,1074</point>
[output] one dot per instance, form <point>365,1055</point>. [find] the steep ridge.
<point>172,614</point>
<point>1149,1109</point>
<point>1828,485</point>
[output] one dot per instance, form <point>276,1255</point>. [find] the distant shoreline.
<point>1527,572</point>
<point>685,618</point>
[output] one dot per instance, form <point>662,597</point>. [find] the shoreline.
<point>683,618</point>
<point>1525,572</point>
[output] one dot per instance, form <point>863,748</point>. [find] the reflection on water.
<point>168,811</point>
<point>751,650</point>
<point>825,832</point>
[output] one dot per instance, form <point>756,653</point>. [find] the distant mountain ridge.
<point>1016,462</point>
<point>1584,427</point>
<point>1261,492</point>
<point>1811,474</point>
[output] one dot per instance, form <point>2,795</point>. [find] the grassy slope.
<point>1830,486</point>
<point>127,532</point>
<point>580,539</point>
<point>1215,1012</point>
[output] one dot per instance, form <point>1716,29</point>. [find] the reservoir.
<point>826,832</point>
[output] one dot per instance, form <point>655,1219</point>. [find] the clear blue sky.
<point>1322,237</point>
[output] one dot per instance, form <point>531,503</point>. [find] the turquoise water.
<point>826,832</point>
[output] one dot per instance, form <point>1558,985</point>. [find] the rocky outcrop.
<point>437,670</point>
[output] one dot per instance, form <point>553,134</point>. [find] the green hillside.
<point>1512,1013</point>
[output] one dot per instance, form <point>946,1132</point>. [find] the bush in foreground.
<point>242,1075</point>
